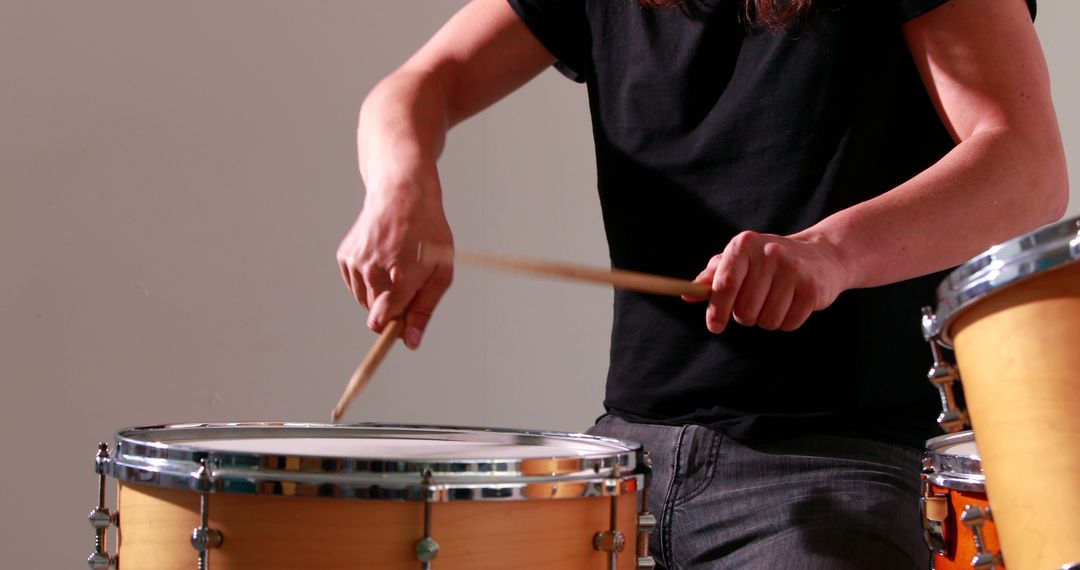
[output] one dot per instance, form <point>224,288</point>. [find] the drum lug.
<point>974,518</point>
<point>427,549</point>
<point>943,376</point>
<point>612,541</point>
<point>646,523</point>
<point>646,563</point>
<point>204,538</point>
<point>101,518</point>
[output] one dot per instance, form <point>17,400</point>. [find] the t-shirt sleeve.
<point>911,9</point>
<point>562,26</point>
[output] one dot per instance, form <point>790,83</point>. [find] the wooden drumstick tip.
<point>366,369</point>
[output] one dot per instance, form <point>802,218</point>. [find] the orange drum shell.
<point>1019,354</point>
<point>279,533</point>
<point>958,538</point>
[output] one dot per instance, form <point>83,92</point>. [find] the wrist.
<point>829,238</point>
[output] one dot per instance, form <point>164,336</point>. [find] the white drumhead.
<point>398,449</point>
<point>962,449</point>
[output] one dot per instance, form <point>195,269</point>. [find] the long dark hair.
<point>772,14</point>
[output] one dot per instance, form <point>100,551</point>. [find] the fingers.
<point>769,281</point>
<point>762,265</point>
<point>777,304</point>
<point>375,280</point>
<point>354,281</point>
<point>727,282</point>
<point>705,278</point>
<point>390,301</point>
<point>412,294</point>
<point>802,306</point>
<point>423,304</point>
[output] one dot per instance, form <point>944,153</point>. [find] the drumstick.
<point>367,367</point>
<point>621,278</point>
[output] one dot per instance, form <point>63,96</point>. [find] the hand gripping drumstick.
<point>367,367</point>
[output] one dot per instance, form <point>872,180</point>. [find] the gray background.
<point>175,179</point>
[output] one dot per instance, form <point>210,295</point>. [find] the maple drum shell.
<point>1018,350</point>
<point>286,533</point>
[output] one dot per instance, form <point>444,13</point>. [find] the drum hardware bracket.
<point>943,376</point>
<point>101,518</point>
<point>935,509</point>
<point>613,540</point>
<point>204,538</point>
<point>426,548</point>
<point>646,524</point>
<point>974,518</point>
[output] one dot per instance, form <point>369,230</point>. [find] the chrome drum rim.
<point>157,456</point>
<point>956,471</point>
<point>1003,265</point>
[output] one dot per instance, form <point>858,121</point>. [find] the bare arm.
<point>983,67</point>
<point>483,53</point>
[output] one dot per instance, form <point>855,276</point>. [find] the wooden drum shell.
<point>1018,351</point>
<point>279,533</point>
<point>958,537</point>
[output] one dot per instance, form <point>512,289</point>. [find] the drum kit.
<point>1007,492</point>
<point>277,495</point>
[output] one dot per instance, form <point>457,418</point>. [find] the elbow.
<point>1054,181</point>
<point>1060,198</point>
<point>1044,178</point>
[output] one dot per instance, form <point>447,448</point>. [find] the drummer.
<point>818,163</point>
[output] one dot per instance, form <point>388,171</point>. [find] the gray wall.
<point>174,180</point>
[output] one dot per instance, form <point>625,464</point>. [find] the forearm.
<point>996,184</point>
<point>401,131</point>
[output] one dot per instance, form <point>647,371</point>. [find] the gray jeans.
<point>807,502</point>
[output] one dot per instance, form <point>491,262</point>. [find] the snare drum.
<point>287,496</point>
<point>958,522</point>
<point>1013,316</point>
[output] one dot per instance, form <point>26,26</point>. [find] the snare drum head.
<point>956,462</point>
<point>375,461</point>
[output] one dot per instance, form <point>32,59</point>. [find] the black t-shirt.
<point>705,127</point>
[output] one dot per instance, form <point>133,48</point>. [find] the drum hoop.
<point>958,471</point>
<point>959,483</point>
<point>1002,265</point>
<point>145,455</point>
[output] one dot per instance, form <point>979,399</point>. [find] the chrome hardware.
<point>610,541</point>
<point>163,456</point>
<point>100,517</point>
<point>974,518</point>
<point>1005,264</point>
<point>935,509</point>
<point>204,538</point>
<point>646,523</point>
<point>427,549</point>
<point>943,376</point>
<point>646,563</point>
<point>613,540</point>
